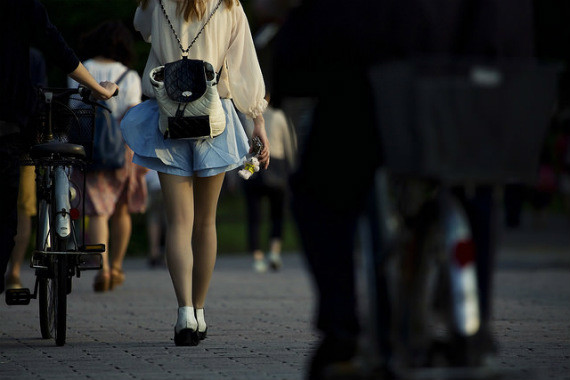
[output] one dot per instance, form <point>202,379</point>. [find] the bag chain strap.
<point>185,51</point>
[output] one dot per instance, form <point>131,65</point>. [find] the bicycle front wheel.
<point>53,300</point>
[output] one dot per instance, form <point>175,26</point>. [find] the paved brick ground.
<point>259,325</point>
<point>258,329</point>
<point>532,303</point>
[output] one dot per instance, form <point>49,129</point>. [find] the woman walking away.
<point>191,171</point>
<point>113,193</point>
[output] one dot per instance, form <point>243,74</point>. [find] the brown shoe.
<point>117,277</point>
<point>102,282</point>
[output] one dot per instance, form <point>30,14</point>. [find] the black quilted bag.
<point>189,104</point>
<point>185,80</point>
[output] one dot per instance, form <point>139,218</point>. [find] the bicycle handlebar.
<point>82,91</point>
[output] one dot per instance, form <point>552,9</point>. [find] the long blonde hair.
<point>193,9</point>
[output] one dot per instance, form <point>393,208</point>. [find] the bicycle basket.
<point>460,121</point>
<point>72,121</point>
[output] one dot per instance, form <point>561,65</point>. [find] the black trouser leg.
<point>10,174</point>
<point>276,211</point>
<point>328,243</point>
<point>253,203</point>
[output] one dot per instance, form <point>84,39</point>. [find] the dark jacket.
<point>324,43</point>
<point>326,48</point>
<point>24,23</point>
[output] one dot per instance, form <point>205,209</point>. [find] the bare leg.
<point>21,240</point>
<point>275,261</point>
<point>275,245</point>
<point>205,244</point>
<point>98,233</point>
<point>120,234</point>
<point>179,205</point>
<point>259,264</point>
<point>258,254</point>
<point>153,231</point>
<point>26,207</point>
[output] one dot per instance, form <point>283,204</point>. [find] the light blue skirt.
<point>203,158</point>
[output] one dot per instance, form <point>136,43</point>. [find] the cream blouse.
<point>225,40</point>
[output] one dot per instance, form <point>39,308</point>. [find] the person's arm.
<point>101,91</point>
<point>259,131</point>
<point>143,21</point>
<point>46,35</point>
<point>246,80</point>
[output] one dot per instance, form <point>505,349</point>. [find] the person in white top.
<point>111,195</point>
<point>191,172</point>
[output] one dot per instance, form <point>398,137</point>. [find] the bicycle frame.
<point>43,242</point>
<point>411,269</point>
<point>55,215</point>
<point>62,203</point>
<point>58,256</point>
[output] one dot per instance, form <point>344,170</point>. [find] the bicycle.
<point>64,143</point>
<point>422,273</point>
<point>444,125</point>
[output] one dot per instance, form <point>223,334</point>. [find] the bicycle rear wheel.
<point>45,275</point>
<point>60,304</point>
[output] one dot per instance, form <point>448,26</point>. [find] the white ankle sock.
<point>186,319</point>
<point>201,321</point>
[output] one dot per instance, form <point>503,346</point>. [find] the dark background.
<point>75,17</point>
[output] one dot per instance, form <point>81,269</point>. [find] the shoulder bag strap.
<point>119,79</point>
<point>185,51</point>
<point>123,75</point>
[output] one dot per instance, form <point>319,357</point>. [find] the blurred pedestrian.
<point>325,50</point>
<point>111,195</point>
<point>27,189</point>
<point>191,172</point>
<point>270,185</point>
<point>26,23</point>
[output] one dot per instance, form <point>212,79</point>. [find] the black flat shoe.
<point>200,318</point>
<point>186,337</point>
<point>202,334</point>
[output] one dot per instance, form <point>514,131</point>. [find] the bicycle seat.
<point>63,149</point>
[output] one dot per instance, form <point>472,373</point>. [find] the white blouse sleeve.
<point>143,21</point>
<point>244,74</point>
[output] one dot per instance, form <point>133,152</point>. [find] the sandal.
<point>102,282</point>
<point>117,277</point>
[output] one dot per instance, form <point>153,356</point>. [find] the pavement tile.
<point>260,325</point>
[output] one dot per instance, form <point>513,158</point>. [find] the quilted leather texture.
<point>185,79</point>
<point>208,104</point>
<point>193,127</point>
